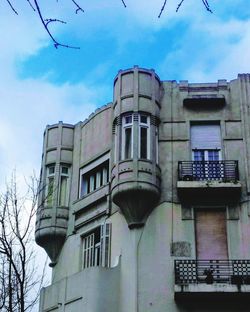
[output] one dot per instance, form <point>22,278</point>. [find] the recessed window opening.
<point>144,144</point>
<point>63,194</point>
<point>206,152</point>
<point>127,136</point>
<point>95,178</point>
<point>96,247</point>
<point>50,181</point>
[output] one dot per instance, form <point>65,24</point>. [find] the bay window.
<point>139,123</point>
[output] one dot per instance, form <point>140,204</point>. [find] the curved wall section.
<point>53,201</point>
<point>135,174</point>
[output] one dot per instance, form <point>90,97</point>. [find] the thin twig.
<point>56,43</point>
<point>79,9</point>
<point>31,5</point>
<point>179,5</point>
<point>206,4</point>
<point>12,8</point>
<point>51,20</point>
<point>124,4</point>
<point>162,8</point>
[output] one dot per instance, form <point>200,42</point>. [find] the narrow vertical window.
<point>127,137</point>
<point>157,144</point>
<point>144,148</point>
<point>50,185</point>
<point>63,186</point>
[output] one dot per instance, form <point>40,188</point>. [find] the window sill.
<point>90,198</point>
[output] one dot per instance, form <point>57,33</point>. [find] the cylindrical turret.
<point>135,176</point>
<point>53,201</point>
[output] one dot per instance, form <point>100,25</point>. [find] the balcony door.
<point>211,234</point>
<point>206,151</point>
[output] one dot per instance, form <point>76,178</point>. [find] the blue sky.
<point>41,85</point>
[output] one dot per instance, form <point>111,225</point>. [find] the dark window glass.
<point>144,119</point>
<point>128,143</point>
<point>144,147</point>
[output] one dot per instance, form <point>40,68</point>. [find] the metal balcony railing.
<point>221,170</point>
<point>235,272</point>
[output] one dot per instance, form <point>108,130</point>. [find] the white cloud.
<point>28,105</point>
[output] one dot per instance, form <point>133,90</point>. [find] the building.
<point>144,206</point>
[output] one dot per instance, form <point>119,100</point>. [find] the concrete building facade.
<point>144,206</point>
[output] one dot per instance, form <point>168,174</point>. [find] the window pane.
<point>128,119</point>
<point>128,138</point>
<point>144,147</point>
<point>144,119</point>
<point>199,155</point>
<point>63,191</point>
<point>50,191</point>
<point>65,170</point>
<point>92,183</point>
<point>98,179</point>
<point>213,155</point>
<point>51,169</point>
<point>105,176</point>
<point>84,186</point>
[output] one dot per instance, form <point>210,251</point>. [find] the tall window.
<point>96,247</point>
<point>206,151</point>
<point>142,123</point>
<point>63,195</point>
<point>127,136</point>
<point>206,142</point>
<point>144,143</point>
<point>94,178</point>
<point>157,144</point>
<point>50,181</point>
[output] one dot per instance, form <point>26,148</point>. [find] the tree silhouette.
<point>20,282</point>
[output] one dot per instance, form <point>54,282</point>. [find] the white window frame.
<point>96,251</point>
<point>127,125</point>
<point>84,171</point>
<point>147,127</point>
<point>206,152</point>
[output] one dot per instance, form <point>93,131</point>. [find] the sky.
<point>41,85</point>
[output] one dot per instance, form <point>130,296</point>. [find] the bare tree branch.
<point>78,8</point>
<point>18,271</point>
<point>12,7</point>
<point>162,8</point>
<point>56,43</point>
<point>206,4</point>
<point>124,4</point>
<point>31,5</point>
<point>179,5</point>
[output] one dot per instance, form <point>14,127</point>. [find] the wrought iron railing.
<point>212,271</point>
<point>222,170</point>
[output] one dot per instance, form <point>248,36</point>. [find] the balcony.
<point>207,279</point>
<point>208,181</point>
